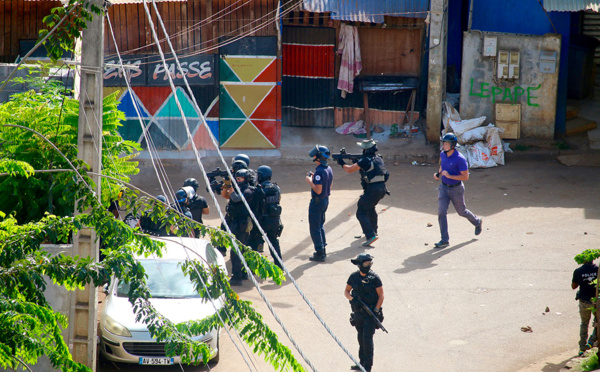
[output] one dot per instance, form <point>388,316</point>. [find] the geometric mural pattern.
<point>249,102</point>
<point>162,121</point>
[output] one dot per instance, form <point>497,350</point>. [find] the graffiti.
<point>506,94</point>
<point>195,69</point>
<point>132,68</point>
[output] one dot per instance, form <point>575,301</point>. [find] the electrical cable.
<point>243,199</point>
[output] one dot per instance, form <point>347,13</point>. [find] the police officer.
<point>242,161</point>
<point>364,285</point>
<point>239,221</point>
<point>454,169</point>
<point>320,184</point>
<point>181,205</point>
<point>198,205</point>
<point>150,227</point>
<point>373,176</point>
<point>268,196</point>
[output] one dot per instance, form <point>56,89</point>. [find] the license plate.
<point>156,361</point>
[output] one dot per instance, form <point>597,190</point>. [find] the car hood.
<point>176,310</point>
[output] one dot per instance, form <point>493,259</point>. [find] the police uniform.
<point>269,215</point>
<point>197,205</point>
<point>317,208</point>
<point>583,277</point>
<point>373,178</point>
<point>364,286</point>
<point>239,221</point>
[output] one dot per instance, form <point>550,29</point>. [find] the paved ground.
<point>456,309</point>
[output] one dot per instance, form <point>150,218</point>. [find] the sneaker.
<point>478,228</point>
<point>370,241</point>
<point>318,257</point>
<point>580,353</point>
<point>234,282</point>
<point>441,244</point>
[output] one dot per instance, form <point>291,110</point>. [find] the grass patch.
<point>590,363</point>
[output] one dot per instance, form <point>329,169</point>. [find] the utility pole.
<point>83,313</point>
<point>436,86</point>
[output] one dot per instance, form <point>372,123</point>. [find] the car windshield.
<point>165,280</point>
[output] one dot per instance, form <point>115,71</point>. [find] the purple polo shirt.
<point>454,165</point>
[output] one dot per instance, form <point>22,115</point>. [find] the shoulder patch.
<point>317,177</point>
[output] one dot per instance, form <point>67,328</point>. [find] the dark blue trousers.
<point>316,220</point>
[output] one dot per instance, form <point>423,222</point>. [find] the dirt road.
<point>456,309</point>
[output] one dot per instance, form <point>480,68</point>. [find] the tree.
<point>29,327</point>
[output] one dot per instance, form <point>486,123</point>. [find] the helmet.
<point>243,157</point>
<point>238,164</point>
<point>191,182</point>
<point>450,137</point>
<point>242,173</point>
<point>264,173</point>
<point>321,152</point>
<point>161,198</point>
<point>189,192</point>
<point>181,195</point>
<point>361,258</point>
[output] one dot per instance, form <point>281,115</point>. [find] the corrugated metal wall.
<point>369,10</point>
<point>591,27</point>
<point>308,76</point>
<point>21,20</point>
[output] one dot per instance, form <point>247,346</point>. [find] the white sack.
<point>494,143</point>
<point>464,150</point>
<point>460,127</point>
<point>448,113</point>
<point>473,135</point>
<point>480,156</point>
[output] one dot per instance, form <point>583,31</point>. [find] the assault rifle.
<point>377,321</point>
<point>212,177</point>
<point>344,155</point>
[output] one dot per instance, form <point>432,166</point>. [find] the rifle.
<point>344,155</point>
<point>212,177</point>
<point>372,315</point>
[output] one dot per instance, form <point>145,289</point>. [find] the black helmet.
<point>321,152</point>
<point>264,173</point>
<point>450,137</point>
<point>243,157</point>
<point>238,164</point>
<point>361,258</point>
<point>243,173</point>
<point>181,195</point>
<point>191,182</point>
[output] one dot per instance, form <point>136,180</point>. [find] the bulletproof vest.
<point>196,207</point>
<point>366,290</point>
<point>252,178</point>
<point>272,197</point>
<point>237,209</point>
<point>377,171</point>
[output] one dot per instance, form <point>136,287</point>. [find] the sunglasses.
<point>367,264</point>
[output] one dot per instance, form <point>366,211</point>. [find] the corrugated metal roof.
<point>368,10</point>
<point>571,5</point>
<point>118,2</point>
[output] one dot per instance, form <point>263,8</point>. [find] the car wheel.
<point>215,359</point>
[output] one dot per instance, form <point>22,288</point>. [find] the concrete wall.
<point>534,90</point>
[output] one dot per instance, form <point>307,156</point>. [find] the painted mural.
<point>250,102</point>
<point>161,119</point>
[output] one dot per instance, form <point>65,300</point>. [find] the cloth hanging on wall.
<point>349,48</point>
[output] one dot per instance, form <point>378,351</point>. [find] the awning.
<point>571,5</point>
<point>368,10</point>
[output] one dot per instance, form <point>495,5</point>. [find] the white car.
<point>124,340</point>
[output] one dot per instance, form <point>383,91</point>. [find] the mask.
<point>365,270</point>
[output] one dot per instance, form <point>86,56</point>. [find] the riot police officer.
<point>364,289</point>
<point>373,177</point>
<point>238,219</point>
<point>242,161</point>
<point>150,227</point>
<point>320,184</point>
<point>268,196</point>
<point>198,205</point>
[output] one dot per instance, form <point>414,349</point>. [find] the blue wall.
<point>527,17</point>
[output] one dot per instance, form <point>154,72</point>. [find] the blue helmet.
<point>243,157</point>
<point>450,137</point>
<point>321,152</point>
<point>181,195</point>
<point>264,173</point>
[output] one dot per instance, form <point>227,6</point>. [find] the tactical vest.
<point>238,209</point>
<point>272,197</point>
<point>377,171</point>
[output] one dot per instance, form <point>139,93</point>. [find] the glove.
<point>341,162</point>
<point>378,314</point>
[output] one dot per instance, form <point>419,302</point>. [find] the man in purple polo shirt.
<point>453,170</point>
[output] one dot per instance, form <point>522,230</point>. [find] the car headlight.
<point>116,328</point>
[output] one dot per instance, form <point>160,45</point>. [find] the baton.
<point>373,315</point>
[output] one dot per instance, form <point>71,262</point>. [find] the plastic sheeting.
<point>369,10</point>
